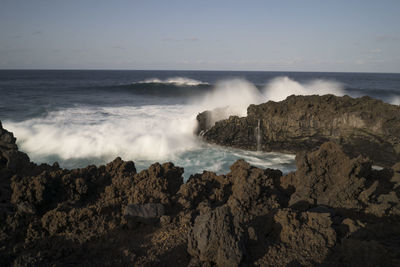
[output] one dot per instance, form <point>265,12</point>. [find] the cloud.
<point>170,39</point>
<point>375,51</point>
<point>360,62</point>
<point>189,39</point>
<point>37,33</point>
<point>119,47</point>
<point>387,38</point>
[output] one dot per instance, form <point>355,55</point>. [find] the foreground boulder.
<point>362,126</point>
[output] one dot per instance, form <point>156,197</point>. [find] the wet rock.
<point>144,213</point>
<point>363,126</point>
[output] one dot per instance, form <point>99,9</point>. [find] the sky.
<point>298,35</point>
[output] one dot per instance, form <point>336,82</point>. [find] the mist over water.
<point>149,129</point>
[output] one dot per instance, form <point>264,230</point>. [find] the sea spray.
<point>232,97</point>
<point>258,135</point>
<point>281,87</point>
<point>150,132</point>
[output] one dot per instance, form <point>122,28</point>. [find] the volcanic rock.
<point>362,126</point>
<point>334,210</point>
<point>145,213</point>
<point>214,238</point>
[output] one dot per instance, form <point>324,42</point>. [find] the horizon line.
<point>187,70</point>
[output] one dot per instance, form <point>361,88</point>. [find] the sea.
<point>83,117</point>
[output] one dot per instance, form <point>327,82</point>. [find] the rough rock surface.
<point>363,126</point>
<point>333,211</point>
<point>214,237</point>
<point>146,213</point>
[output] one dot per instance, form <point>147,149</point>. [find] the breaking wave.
<point>281,87</point>
<point>162,131</point>
<point>179,81</point>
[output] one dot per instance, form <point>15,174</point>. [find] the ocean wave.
<point>281,87</point>
<point>76,137</point>
<point>178,81</point>
<point>146,132</point>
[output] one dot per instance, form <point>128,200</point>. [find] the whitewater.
<point>151,129</point>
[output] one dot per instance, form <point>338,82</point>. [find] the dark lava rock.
<point>144,213</point>
<point>333,211</point>
<point>304,239</point>
<point>328,177</point>
<point>214,239</point>
<point>363,126</point>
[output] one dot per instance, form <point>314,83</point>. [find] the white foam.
<point>233,95</point>
<point>395,100</point>
<point>145,132</point>
<point>281,87</point>
<point>178,81</point>
<point>152,132</point>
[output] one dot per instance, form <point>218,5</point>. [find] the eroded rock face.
<point>363,126</point>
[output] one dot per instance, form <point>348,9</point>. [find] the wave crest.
<point>281,87</point>
<point>178,81</point>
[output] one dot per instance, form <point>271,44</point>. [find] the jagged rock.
<point>363,126</point>
<point>144,213</point>
<point>7,140</point>
<point>214,238</point>
<point>328,177</point>
<point>253,191</point>
<point>333,211</point>
<point>157,184</point>
<point>304,238</point>
<point>204,188</point>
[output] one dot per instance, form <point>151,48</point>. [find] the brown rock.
<point>213,238</point>
<point>363,126</point>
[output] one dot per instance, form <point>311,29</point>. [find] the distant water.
<point>90,117</point>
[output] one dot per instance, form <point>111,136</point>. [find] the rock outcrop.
<point>333,211</point>
<point>362,126</point>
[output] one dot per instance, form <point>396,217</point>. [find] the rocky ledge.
<point>362,126</point>
<point>333,211</point>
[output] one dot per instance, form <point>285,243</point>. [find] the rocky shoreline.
<point>362,126</point>
<point>334,210</point>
